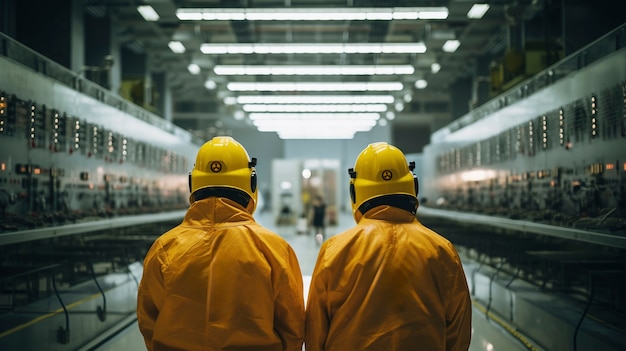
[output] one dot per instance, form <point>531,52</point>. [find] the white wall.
<point>267,147</point>
<point>344,150</point>
<point>286,171</point>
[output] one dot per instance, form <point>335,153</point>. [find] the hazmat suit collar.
<point>216,210</point>
<point>387,213</point>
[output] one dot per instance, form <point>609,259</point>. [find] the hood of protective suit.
<point>390,213</point>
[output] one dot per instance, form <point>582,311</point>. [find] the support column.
<point>135,79</point>
<point>481,82</point>
<point>77,36</point>
<point>7,17</point>
<point>98,59</point>
<point>163,99</point>
<point>46,27</point>
<point>460,97</point>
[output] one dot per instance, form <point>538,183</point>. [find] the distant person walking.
<point>319,218</point>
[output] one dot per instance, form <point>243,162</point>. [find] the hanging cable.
<point>491,279</point>
<point>582,317</point>
<point>63,335</point>
<point>101,310</point>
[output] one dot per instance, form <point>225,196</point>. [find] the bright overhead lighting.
<point>312,14</point>
<point>230,100</point>
<point>314,108</point>
<point>313,48</point>
<point>316,134</point>
<point>435,67</point>
<point>176,46</point>
<point>315,99</point>
<point>239,115</point>
<point>451,45</point>
<point>421,83</point>
<point>193,68</point>
<point>314,125</point>
<point>315,86</point>
<point>312,129</point>
<point>238,70</point>
<point>210,84</point>
<point>148,13</point>
<point>434,15</point>
<point>477,11</point>
<point>315,117</point>
<point>274,126</point>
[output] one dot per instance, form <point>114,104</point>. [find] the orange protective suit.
<point>389,283</point>
<point>221,281</point>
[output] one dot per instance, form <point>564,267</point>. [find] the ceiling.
<point>198,108</point>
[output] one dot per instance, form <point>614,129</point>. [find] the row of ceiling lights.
<point>332,117</point>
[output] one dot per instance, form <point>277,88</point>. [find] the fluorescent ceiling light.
<point>230,100</point>
<point>148,13</point>
<point>314,48</point>
<point>421,83</point>
<point>315,117</point>
<point>176,46</point>
<point>314,99</point>
<point>333,129</point>
<point>273,126</point>
<point>237,70</point>
<point>315,86</point>
<point>314,108</point>
<point>239,115</point>
<point>312,14</point>
<point>477,11</point>
<point>193,68</point>
<point>451,45</point>
<point>434,15</point>
<point>338,122</point>
<point>210,84</point>
<point>316,134</point>
<point>435,67</point>
<point>314,125</point>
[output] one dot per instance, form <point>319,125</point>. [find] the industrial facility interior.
<point>514,112</point>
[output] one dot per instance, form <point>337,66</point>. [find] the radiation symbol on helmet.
<point>216,167</point>
<point>387,175</point>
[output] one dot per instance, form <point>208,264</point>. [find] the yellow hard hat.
<point>381,176</point>
<point>223,168</point>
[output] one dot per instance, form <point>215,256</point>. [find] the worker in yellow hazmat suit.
<point>219,280</point>
<point>389,283</point>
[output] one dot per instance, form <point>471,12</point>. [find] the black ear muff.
<point>189,181</point>
<point>352,174</point>
<point>352,193</point>
<point>253,180</point>
<point>415,181</point>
